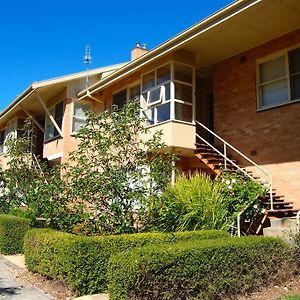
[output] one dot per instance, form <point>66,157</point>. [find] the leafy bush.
<point>12,231</point>
<point>194,202</point>
<point>210,269</point>
<point>239,191</point>
<point>82,261</point>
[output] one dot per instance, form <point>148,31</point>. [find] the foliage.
<point>239,191</point>
<point>194,202</point>
<point>106,188</point>
<point>82,261</point>
<point>210,269</point>
<point>12,231</point>
<point>116,171</point>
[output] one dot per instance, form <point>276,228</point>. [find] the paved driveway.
<point>11,289</point>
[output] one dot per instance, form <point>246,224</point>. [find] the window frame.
<point>127,88</point>
<point>2,143</point>
<point>55,137</point>
<point>287,77</point>
<point>146,106</point>
<point>74,101</point>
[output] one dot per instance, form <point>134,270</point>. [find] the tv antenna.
<point>87,59</point>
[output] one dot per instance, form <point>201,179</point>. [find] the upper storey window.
<point>279,79</point>
<point>57,111</point>
<point>167,93</point>
<point>122,97</point>
<point>80,114</point>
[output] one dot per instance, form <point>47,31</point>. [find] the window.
<point>79,115</point>
<point>131,93</point>
<point>167,93</point>
<point>57,112</point>
<point>2,140</point>
<point>183,81</point>
<point>120,98</point>
<point>279,79</point>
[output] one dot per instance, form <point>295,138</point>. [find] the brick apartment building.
<point>230,83</point>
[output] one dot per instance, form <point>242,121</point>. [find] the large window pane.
<point>57,112</point>
<point>2,139</point>
<point>119,99</point>
<point>272,69</point>
<point>167,90</point>
<point>154,95</point>
<point>134,93</point>
<point>77,124</point>
<point>163,74</point>
<point>183,73</point>
<point>149,80</point>
<point>149,116</point>
<point>80,109</point>
<point>295,87</point>
<point>294,59</point>
<point>274,93</point>
<point>163,112</point>
<point>183,112</point>
<point>79,117</point>
<point>183,92</point>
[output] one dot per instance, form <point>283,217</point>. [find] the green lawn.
<point>291,297</point>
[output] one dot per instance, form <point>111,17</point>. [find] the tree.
<point>118,169</point>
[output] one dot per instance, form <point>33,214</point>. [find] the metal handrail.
<point>226,160</point>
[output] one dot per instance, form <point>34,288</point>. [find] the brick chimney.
<point>138,51</point>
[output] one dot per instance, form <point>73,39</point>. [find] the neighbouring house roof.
<point>237,27</point>
<point>57,80</point>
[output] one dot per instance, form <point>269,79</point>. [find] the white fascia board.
<point>215,19</point>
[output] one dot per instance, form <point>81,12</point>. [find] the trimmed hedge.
<point>82,262</point>
<point>12,231</point>
<point>211,269</point>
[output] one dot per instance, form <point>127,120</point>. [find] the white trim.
<point>200,28</point>
<point>54,156</point>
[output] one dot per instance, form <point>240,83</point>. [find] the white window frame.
<point>74,101</point>
<point>285,54</point>
<point>160,86</point>
<point>154,105</point>
<point>48,121</point>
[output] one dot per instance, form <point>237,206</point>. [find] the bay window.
<point>279,79</point>
<point>168,94</point>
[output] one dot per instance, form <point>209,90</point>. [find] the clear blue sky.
<point>41,39</point>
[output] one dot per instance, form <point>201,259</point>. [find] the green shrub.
<point>82,261</point>
<point>210,269</point>
<point>12,231</point>
<point>240,191</point>
<point>193,203</point>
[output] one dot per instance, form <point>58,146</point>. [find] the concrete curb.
<point>16,261</point>
<point>94,297</point>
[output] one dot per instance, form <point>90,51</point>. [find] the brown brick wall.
<point>270,137</point>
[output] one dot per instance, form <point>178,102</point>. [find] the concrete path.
<point>10,289</point>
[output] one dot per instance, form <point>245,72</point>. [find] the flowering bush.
<point>240,191</point>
